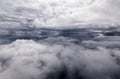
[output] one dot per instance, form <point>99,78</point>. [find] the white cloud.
<point>56,13</point>
<point>27,59</point>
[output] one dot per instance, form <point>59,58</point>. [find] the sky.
<point>85,53</point>
<point>58,13</point>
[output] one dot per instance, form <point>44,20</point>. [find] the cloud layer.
<point>86,53</point>
<point>60,54</point>
<point>54,13</point>
<point>30,60</point>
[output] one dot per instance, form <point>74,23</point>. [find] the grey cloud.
<point>28,59</point>
<point>59,53</point>
<point>61,13</point>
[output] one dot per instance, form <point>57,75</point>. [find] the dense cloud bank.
<point>60,54</point>
<point>26,59</point>
<point>58,13</point>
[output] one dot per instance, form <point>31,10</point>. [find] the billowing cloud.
<point>82,53</point>
<point>31,60</point>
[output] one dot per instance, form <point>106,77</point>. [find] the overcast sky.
<point>56,13</point>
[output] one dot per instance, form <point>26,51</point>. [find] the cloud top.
<point>26,59</point>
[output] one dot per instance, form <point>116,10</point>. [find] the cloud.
<point>56,13</point>
<point>107,11</point>
<point>26,59</point>
<point>59,54</point>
